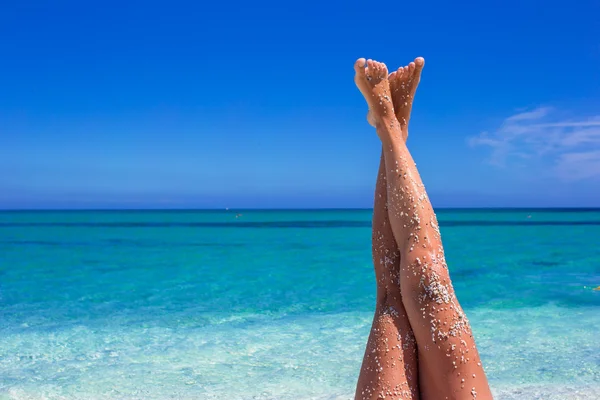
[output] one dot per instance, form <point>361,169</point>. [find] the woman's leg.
<point>389,368</point>
<point>449,364</point>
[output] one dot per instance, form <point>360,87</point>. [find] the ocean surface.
<point>278,304</point>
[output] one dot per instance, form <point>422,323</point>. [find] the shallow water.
<point>277,304</point>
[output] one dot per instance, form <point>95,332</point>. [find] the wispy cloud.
<point>571,148</point>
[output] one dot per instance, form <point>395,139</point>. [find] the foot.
<point>371,78</point>
<point>403,85</point>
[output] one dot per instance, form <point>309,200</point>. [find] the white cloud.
<point>571,148</point>
<point>538,113</point>
<point>579,165</point>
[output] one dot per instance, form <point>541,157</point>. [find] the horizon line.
<point>280,209</point>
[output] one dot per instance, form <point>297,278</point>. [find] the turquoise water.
<point>277,304</point>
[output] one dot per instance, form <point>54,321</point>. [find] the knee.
<point>388,288</point>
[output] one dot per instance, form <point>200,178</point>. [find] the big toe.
<point>419,64</point>
<point>359,66</point>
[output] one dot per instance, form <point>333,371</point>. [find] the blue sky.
<point>252,104</point>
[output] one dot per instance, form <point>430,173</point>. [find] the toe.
<point>393,78</point>
<point>375,66</point>
<point>411,68</point>
<point>384,70</point>
<point>370,67</point>
<point>419,63</point>
<point>359,66</point>
<point>378,69</point>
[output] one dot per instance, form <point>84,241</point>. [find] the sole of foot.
<point>371,78</point>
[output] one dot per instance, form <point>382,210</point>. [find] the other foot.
<point>403,85</point>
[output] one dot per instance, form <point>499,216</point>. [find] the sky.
<point>252,104</point>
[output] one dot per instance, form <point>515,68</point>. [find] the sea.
<point>277,304</point>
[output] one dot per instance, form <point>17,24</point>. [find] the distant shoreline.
<point>213,210</point>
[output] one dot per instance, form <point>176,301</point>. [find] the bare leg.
<point>389,368</point>
<point>449,364</point>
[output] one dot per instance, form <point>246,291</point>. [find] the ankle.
<point>389,130</point>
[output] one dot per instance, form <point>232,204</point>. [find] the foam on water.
<point>527,353</point>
